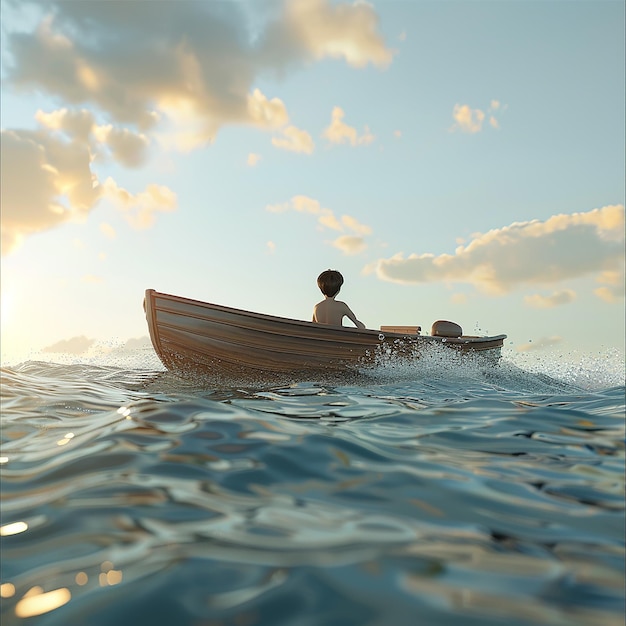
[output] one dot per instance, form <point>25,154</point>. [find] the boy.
<point>329,310</point>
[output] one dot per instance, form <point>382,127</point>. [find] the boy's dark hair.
<point>330,282</point>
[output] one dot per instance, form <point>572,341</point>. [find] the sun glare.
<point>6,306</point>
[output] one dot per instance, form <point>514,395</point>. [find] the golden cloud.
<point>350,244</point>
<point>140,209</point>
<point>557,298</point>
<point>470,120</point>
<point>346,31</point>
<point>466,119</point>
<point>58,188</point>
<point>326,218</point>
<point>563,247</point>
<point>191,66</point>
<point>295,140</point>
<point>339,132</point>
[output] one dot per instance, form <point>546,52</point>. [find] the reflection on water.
<point>452,494</point>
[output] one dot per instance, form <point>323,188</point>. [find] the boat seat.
<point>403,330</point>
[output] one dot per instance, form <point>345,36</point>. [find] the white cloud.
<point>563,247</point>
<point>295,140</point>
<point>326,219</point>
<point>557,298</point>
<point>339,132</point>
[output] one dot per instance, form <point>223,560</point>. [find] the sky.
<point>454,160</point>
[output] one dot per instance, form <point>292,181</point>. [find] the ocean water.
<point>439,493</point>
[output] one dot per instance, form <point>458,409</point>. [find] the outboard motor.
<point>443,328</point>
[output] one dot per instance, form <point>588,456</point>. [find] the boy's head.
<point>330,282</point>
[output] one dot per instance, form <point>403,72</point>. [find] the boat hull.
<point>193,336</point>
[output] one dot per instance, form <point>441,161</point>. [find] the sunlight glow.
<point>38,602</point>
<point>13,529</point>
<point>6,306</point>
<point>7,590</point>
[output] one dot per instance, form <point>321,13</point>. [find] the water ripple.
<point>487,497</point>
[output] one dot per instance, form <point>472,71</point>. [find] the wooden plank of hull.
<point>189,334</point>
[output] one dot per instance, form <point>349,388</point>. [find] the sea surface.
<point>444,492</point>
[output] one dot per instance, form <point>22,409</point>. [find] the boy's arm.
<point>352,317</point>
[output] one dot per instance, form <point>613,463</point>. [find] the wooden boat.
<point>196,337</point>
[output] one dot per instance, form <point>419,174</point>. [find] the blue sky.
<point>455,160</point>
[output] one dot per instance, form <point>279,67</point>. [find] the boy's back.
<point>329,310</point>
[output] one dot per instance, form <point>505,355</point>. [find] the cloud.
<point>75,345</point>
<point>140,209</point>
<point>60,185</point>
<point>470,120</point>
<point>123,145</point>
<point>318,29</point>
<point>253,159</point>
<point>540,344</point>
<point>188,67</point>
<point>326,218</point>
<point>557,298</point>
<point>57,188</point>
<point>129,76</point>
<point>466,119</point>
<point>339,132</point>
<point>294,140</point>
<point>563,247</point>
<point>128,148</point>
<point>350,244</point>
<point>615,285</point>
